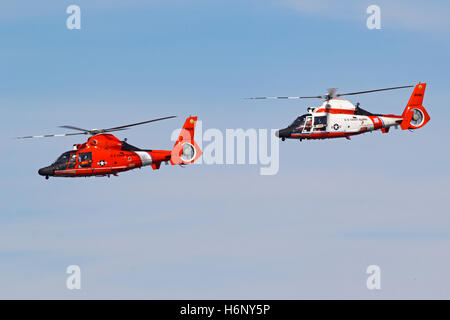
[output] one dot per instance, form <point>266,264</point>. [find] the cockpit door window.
<point>308,124</point>
<point>85,160</point>
<point>72,160</point>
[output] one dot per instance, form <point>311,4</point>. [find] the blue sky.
<point>310,231</point>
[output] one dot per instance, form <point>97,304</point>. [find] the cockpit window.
<point>72,160</point>
<point>299,121</point>
<point>64,158</point>
<point>61,162</point>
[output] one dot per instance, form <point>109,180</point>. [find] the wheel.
<point>46,177</point>
<point>282,139</point>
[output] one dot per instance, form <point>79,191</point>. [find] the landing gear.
<point>282,139</point>
<point>46,177</point>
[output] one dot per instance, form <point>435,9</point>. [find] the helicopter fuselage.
<point>339,118</point>
<point>103,155</point>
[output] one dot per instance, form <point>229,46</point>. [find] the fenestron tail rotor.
<point>330,94</point>
<point>94,131</point>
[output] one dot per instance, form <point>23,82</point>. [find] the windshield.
<point>299,121</point>
<point>64,158</point>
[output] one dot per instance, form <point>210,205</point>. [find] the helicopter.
<point>337,117</point>
<point>103,154</point>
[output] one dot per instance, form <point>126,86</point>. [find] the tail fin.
<point>186,150</point>
<point>415,116</point>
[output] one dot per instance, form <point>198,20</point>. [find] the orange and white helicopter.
<point>339,118</point>
<point>103,154</point>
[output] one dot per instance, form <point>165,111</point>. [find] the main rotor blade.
<point>74,128</point>
<point>136,124</point>
<point>292,97</point>
<point>112,130</point>
<point>361,92</point>
<point>51,135</point>
<point>93,131</point>
<point>331,94</point>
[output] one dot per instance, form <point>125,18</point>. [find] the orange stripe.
<point>336,111</point>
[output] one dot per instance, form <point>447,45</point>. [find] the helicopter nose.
<point>283,133</point>
<point>46,171</point>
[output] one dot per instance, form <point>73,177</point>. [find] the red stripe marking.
<point>336,111</point>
